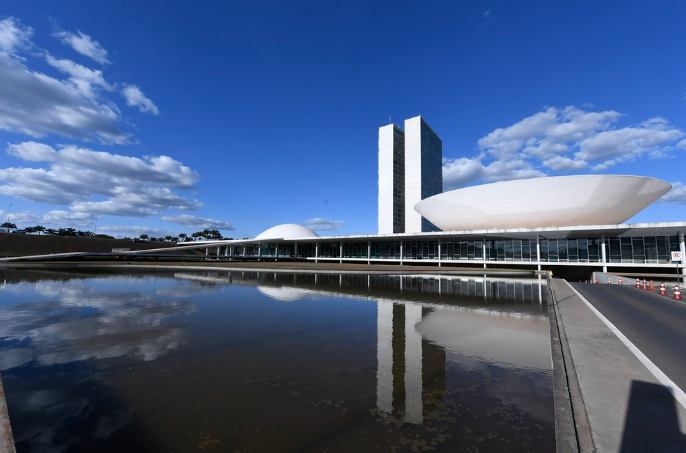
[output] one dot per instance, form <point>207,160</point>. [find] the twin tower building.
<point>410,169</point>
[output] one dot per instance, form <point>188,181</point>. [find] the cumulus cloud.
<point>72,103</point>
<point>321,224</point>
<point>50,218</point>
<point>134,231</point>
<point>84,79</point>
<point>198,222</point>
<point>14,35</point>
<point>567,139</point>
<point>675,196</point>
<point>135,98</point>
<point>35,104</point>
<point>83,44</point>
<point>77,177</point>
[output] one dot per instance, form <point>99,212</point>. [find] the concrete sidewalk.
<point>628,409</point>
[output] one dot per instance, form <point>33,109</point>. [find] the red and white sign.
<point>676,256</point>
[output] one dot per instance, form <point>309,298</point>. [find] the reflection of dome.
<point>287,230</point>
<point>283,294</point>
<point>509,341</point>
<point>543,202</point>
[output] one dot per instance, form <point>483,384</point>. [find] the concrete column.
<point>316,253</point>
<point>259,251</point>
<point>402,252</point>
<point>413,365</point>
<point>483,251</point>
<point>603,258</point>
<point>369,252</point>
<point>276,251</point>
<point>340,253</point>
<point>384,356</point>
<point>439,253</point>
<point>295,250</point>
<point>538,251</point>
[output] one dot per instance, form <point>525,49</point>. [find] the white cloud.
<point>461,172</point>
<point>83,78</point>
<point>96,182</point>
<point>567,139</point>
<point>458,173</point>
<point>35,104</point>
<point>198,222</point>
<point>629,142</point>
<point>66,219</point>
<point>52,218</point>
<point>84,45</point>
<point>74,105</point>
<point>135,98</point>
<point>13,35</point>
<point>324,224</point>
<point>560,163</point>
<point>675,196</point>
<point>134,231</point>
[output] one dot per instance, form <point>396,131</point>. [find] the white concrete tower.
<point>423,171</point>
<point>391,180</point>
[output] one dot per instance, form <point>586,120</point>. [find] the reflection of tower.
<point>409,367</point>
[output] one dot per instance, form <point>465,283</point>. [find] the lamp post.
<point>95,233</point>
<point>8,218</point>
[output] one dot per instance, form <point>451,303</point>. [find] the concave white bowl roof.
<point>543,202</point>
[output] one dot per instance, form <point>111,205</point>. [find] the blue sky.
<point>177,116</point>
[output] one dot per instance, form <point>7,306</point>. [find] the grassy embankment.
<point>32,244</point>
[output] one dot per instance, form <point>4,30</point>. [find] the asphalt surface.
<point>655,324</point>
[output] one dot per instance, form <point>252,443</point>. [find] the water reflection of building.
<point>409,367</point>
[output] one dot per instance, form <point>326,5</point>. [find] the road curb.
<point>572,427</point>
<point>6,439</point>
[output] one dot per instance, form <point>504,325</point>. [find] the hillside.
<point>29,244</point>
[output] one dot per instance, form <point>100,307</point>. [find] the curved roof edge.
<point>286,231</point>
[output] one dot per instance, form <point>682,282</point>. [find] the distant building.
<point>410,170</point>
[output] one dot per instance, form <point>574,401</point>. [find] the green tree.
<point>9,226</point>
<point>183,236</point>
<point>29,230</point>
<point>143,237</point>
<point>51,231</point>
<point>66,232</point>
<point>39,229</point>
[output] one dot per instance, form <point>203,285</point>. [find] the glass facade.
<point>627,249</point>
<point>432,168</point>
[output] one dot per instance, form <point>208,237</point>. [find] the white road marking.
<point>678,394</point>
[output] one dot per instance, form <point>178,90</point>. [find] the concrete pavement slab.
<point>627,407</point>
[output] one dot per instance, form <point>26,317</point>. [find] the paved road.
<point>655,324</point>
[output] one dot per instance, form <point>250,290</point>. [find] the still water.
<point>218,361</point>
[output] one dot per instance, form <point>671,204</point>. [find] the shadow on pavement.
<point>652,421</point>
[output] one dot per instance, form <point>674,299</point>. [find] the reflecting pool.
<point>220,361</point>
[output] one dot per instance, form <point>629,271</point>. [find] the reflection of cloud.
<point>59,409</point>
<point>78,323</point>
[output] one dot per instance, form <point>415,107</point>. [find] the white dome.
<point>287,231</point>
<point>543,202</point>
